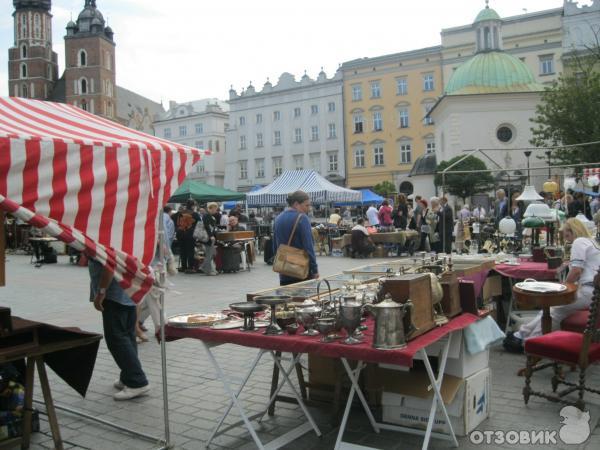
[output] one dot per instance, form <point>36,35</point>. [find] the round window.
<point>504,134</point>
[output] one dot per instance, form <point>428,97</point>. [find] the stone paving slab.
<point>58,294</point>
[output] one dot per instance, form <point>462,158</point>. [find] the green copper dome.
<point>487,13</point>
<point>490,73</point>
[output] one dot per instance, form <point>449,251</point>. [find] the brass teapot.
<point>393,323</point>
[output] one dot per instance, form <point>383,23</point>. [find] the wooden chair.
<point>566,347</point>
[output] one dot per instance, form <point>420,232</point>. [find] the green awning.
<point>202,192</point>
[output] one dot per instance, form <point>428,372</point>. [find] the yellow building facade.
<point>386,99</point>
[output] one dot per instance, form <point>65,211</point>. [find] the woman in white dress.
<point>583,266</point>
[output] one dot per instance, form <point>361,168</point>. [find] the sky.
<point>186,50</point>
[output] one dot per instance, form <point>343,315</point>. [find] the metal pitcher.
<point>393,323</point>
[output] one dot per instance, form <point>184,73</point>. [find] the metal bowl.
<point>271,300</point>
<point>247,307</point>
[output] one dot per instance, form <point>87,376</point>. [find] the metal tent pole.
<point>163,348</point>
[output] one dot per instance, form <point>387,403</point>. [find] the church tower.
<point>32,65</point>
<point>90,63</point>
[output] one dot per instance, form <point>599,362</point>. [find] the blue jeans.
<point>119,332</point>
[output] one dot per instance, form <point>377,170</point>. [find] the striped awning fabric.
<point>318,189</point>
<point>90,182</point>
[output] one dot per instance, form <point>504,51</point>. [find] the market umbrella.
<point>202,192</point>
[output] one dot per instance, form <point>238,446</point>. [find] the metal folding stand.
<point>246,419</point>
<point>436,383</point>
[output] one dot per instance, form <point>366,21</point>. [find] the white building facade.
<point>201,124</point>
<point>291,125</point>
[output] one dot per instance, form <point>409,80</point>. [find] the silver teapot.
<point>393,323</point>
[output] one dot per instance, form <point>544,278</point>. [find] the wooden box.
<point>234,235</point>
<point>451,298</point>
<point>417,288</point>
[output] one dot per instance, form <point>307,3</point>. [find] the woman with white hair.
<point>584,263</point>
<point>432,218</point>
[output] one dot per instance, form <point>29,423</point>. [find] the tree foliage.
<point>568,113</point>
<point>464,185</point>
<point>385,188</point>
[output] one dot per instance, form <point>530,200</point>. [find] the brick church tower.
<point>90,63</point>
<point>32,65</point>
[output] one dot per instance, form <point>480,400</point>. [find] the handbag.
<point>200,233</point>
<point>291,261</point>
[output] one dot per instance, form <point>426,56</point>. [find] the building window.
<point>314,109</point>
<point>377,121</point>
<point>405,153</point>
<point>259,164</point>
<point>24,91</point>
<point>23,70</point>
<point>83,86</point>
<point>296,112</point>
<point>37,27</point>
<point>359,157</point>
<point>546,65</point>
<point>210,146</point>
<point>428,82</point>
<point>358,123</point>
<point>84,105</point>
<point>298,162</point>
<point>277,166</point>
<point>332,162</point>
<point>167,133</point>
<point>259,118</point>
<point>403,112</point>
<point>314,133</point>
<point>331,106</point>
<point>82,58</point>
<point>428,120</point>
<point>277,138</point>
<point>182,130</point>
<point>430,147</point>
<point>242,121</point>
<point>259,139</point>
<point>315,162</point>
<point>276,116</point>
<point>375,89</point>
<point>297,135</point>
<point>356,93</point>
<point>200,167</point>
<point>504,134</point>
<point>378,155</point>
<point>23,26</point>
<point>23,51</point>
<point>401,86</point>
<point>242,142</point>
<point>199,128</point>
<point>243,170</point>
<point>199,144</point>
<point>331,131</point>
<point>217,146</point>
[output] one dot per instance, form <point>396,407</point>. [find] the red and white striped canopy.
<point>90,182</point>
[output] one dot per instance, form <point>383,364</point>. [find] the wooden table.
<point>545,301</point>
<point>38,344</point>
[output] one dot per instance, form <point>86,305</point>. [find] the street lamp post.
<point>549,155</point>
<point>527,155</point>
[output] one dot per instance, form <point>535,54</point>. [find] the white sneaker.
<point>118,384</point>
<point>128,393</point>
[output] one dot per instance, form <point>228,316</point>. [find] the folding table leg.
<point>234,396</point>
<point>52,419</point>
<point>286,379</point>
<point>354,376</point>
<point>279,386</point>
<point>27,414</point>
<point>510,304</point>
<point>436,384</point>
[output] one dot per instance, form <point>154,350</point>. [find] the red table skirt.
<point>310,344</point>
<point>528,269</point>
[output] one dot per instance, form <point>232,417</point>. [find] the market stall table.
<point>538,271</point>
<point>362,353</point>
<point>70,352</point>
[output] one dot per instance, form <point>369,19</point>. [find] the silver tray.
<point>541,286</point>
<point>231,324</point>
<point>180,320</point>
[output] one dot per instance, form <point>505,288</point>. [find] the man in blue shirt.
<point>118,319</point>
<point>299,204</point>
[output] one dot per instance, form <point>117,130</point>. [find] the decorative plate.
<point>541,286</point>
<point>232,324</point>
<point>195,319</point>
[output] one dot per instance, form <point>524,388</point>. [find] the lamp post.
<point>549,155</point>
<point>527,155</point>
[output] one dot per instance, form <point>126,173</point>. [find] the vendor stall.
<point>202,193</point>
<point>94,184</point>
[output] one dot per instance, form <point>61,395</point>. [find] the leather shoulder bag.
<point>291,261</point>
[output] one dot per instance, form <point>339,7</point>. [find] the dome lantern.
<point>488,30</point>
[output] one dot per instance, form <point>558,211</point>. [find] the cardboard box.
<point>467,402</point>
<point>492,287</point>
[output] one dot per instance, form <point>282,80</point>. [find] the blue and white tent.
<point>318,189</point>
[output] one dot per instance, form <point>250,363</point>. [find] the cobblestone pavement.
<point>58,294</point>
